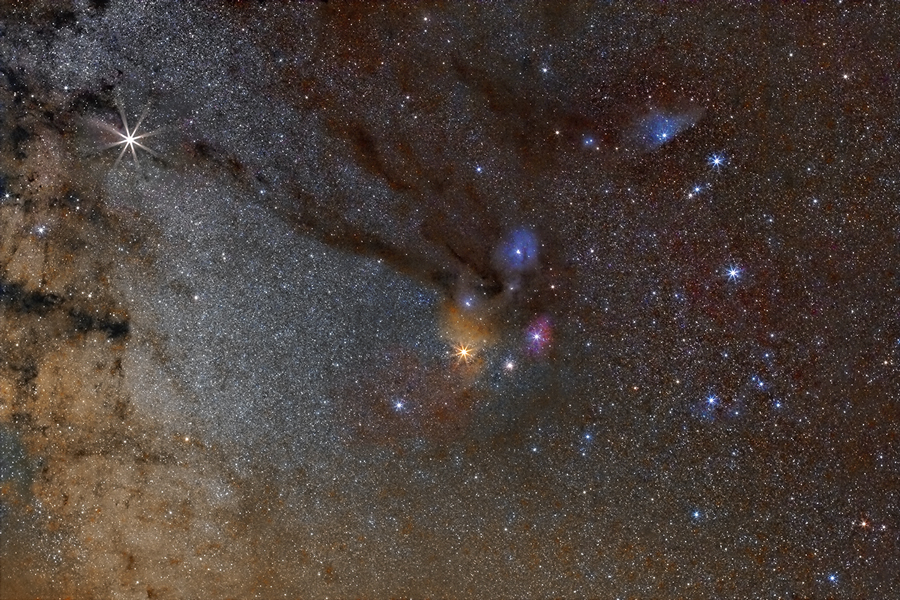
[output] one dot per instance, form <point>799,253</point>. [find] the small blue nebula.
<point>659,128</point>
<point>707,409</point>
<point>518,252</point>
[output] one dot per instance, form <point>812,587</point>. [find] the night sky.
<point>449,300</point>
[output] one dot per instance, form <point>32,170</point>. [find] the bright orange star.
<point>464,353</point>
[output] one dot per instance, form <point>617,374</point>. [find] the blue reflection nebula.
<point>519,251</point>
<point>658,127</point>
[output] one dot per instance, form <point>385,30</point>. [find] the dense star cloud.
<point>449,300</point>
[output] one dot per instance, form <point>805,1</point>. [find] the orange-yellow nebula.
<point>466,329</point>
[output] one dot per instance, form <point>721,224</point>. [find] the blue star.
<point>733,273</point>
<point>716,160</point>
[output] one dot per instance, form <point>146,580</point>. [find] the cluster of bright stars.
<point>716,161</point>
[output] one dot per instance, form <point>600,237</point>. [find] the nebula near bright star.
<point>657,128</point>
<point>449,300</point>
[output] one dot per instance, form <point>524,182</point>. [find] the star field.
<point>449,300</point>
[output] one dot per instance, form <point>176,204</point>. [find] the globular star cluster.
<point>449,300</point>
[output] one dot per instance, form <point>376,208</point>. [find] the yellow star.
<point>464,353</point>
